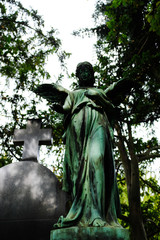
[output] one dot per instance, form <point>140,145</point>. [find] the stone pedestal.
<point>90,233</point>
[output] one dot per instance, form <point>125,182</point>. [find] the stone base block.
<point>90,233</point>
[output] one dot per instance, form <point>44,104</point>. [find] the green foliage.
<point>153,16</point>
<point>4,161</point>
<point>130,48</point>
<point>150,202</point>
<point>25,45</point>
<point>124,218</point>
<point>150,206</point>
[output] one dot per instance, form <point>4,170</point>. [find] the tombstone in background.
<point>32,137</point>
<point>31,199</point>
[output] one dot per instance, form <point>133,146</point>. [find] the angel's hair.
<point>81,65</point>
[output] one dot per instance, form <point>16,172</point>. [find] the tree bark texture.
<point>130,163</point>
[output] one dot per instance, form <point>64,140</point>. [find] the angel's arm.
<point>100,98</point>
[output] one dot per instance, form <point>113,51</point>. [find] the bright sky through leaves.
<point>67,16</point>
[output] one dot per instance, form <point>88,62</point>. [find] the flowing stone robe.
<point>89,172</point>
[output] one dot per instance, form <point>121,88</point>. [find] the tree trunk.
<point>124,157</point>
<point>131,169</point>
<point>136,221</point>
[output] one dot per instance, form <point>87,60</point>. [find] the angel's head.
<point>85,74</point>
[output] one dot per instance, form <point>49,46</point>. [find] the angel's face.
<point>85,77</point>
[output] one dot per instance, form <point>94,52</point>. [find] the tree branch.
<point>156,155</point>
<point>152,149</point>
<point>150,185</point>
<point>147,155</point>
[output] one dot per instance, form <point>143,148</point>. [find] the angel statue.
<point>88,168</point>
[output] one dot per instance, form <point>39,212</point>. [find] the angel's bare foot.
<point>98,222</point>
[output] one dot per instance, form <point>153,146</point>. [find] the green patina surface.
<point>89,171</point>
<point>90,233</point>
<point>89,174</point>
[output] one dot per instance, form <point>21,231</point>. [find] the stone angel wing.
<point>118,91</point>
<point>53,93</point>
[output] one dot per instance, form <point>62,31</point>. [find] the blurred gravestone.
<point>31,199</point>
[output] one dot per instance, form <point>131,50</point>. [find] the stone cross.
<point>32,137</point>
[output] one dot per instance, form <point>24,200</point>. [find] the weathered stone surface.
<point>31,201</point>
<point>90,233</point>
<point>32,137</point>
